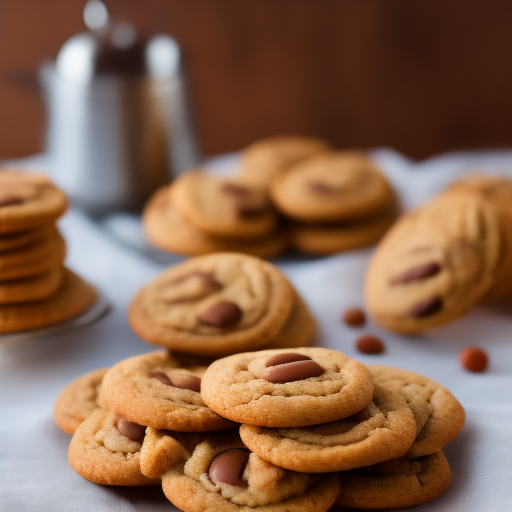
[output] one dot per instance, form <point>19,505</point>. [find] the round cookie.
<point>102,454</point>
<point>266,158</point>
<point>19,239</point>
<point>221,474</point>
<point>32,259</point>
<point>287,387</point>
<point>158,391</point>
<point>434,263</point>
<point>334,186</point>
<point>72,298</point>
<point>384,429</point>
<point>28,201</point>
<point>78,400</point>
<point>31,288</point>
<point>213,305</point>
<point>439,416</point>
<point>167,229</point>
<point>333,238</point>
<point>397,483</point>
<point>299,330</point>
<point>223,207</point>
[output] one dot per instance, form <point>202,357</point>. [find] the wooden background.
<point>423,76</point>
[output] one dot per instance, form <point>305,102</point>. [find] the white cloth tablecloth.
<point>34,472</point>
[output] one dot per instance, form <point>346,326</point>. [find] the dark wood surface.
<point>421,76</point>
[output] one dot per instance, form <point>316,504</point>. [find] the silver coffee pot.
<point>118,123</point>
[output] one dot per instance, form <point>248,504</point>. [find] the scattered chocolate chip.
<point>228,467</point>
<point>289,372</point>
<point>162,377</point>
<point>190,382</point>
<point>236,190</point>
<point>132,431</point>
<point>368,344</point>
<point>354,317</point>
<point>247,210</point>
<point>322,188</point>
<point>474,359</point>
<point>416,273</point>
<point>222,314</point>
<point>427,307</point>
<point>10,200</point>
<point>286,357</point>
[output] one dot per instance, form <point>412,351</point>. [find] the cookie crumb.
<point>474,359</point>
<point>354,317</point>
<point>368,344</point>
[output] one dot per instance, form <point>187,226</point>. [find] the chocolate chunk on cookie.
<point>308,387</point>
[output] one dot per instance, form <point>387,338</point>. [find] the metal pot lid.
<point>112,48</point>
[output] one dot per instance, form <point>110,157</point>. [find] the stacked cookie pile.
<point>35,289</point>
<point>443,258</point>
<point>317,427</point>
<point>291,192</point>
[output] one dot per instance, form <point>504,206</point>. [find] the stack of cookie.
<point>290,191</point>
<point>35,289</point>
<point>443,258</point>
<point>317,428</point>
<point>221,304</point>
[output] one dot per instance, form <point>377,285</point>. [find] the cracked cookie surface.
<point>213,305</point>
<point>439,416</point>
<point>395,483</point>
<point>326,386</point>
<point>160,391</point>
<point>384,429</point>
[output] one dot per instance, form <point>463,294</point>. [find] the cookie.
<point>28,201</point>
<point>299,330</point>
<point>333,238</point>
<point>221,474</point>
<point>334,186</point>
<point>287,387</point>
<point>30,289</point>
<point>167,229</point>
<point>397,483</point>
<point>266,158</point>
<point>497,190</point>
<point>213,305</point>
<point>102,454</point>
<point>438,414</point>
<point>384,429</point>
<point>158,391</point>
<point>223,207</point>
<point>19,239</point>
<point>78,400</point>
<point>32,259</point>
<point>434,264</point>
<point>72,298</point>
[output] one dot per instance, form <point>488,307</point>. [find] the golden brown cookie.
<point>287,387</point>
<point>434,264</point>
<point>159,391</point>
<point>33,288</point>
<point>222,475</point>
<point>230,208</point>
<point>299,330</point>
<point>19,239</point>
<point>395,483</point>
<point>102,454</point>
<point>72,298</point>
<point>333,238</point>
<point>28,201</point>
<point>167,229</point>
<point>384,429</point>
<point>78,400</point>
<point>266,158</point>
<point>33,259</point>
<point>438,414</point>
<point>213,305</point>
<point>332,187</point>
